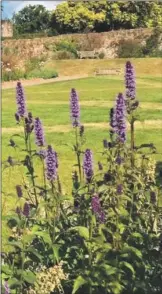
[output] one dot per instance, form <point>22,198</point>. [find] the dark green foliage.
<point>129,49</point>
<point>31,19</point>
<point>67,46</point>
<point>42,73</point>
<point>12,75</point>
<point>152,47</point>
<point>76,16</point>
<point>105,15</point>
<point>101,55</point>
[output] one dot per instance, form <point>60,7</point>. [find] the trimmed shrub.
<point>101,55</point>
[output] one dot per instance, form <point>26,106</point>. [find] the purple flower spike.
<point>130,81</point>
<point>120,119</point>
<point>119,160</point>
<point>101,217</point>
<point>96,208</point>
<point>39,135</point>
<point>51,164</point>
<point>20,99</point>
<point>119,189</point>
<point>88,164</point>
<point>74,108</point>
<point>7,289</point>
<point>19,191</point>
<point>95,202</point>
<point>26,209</point>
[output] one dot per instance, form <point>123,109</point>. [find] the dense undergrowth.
<point>102,238</point>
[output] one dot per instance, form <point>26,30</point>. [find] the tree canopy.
<point>79,16</point>
<point>32,19</point>
<point>105,15</point>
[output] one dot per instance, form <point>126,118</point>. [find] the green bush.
<point>63,55</point>
<point>129,49</point>
<point>42,73</point>
<point>34,63</point>
<point>152,44</point>
<point>12,75</point>
<point>101,55</point>
<point>67,46</point>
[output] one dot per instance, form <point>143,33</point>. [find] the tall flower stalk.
<point>20,99</point>
<point>79,130</point>
<point>39,134</point>
<point>131,102</point>
<point>88,165</point>
<point>118,121</point>
<point>28,127</point>
<point>130,82</point>
<point>74,108</point>
<point>51,164</point>
<point>51,174</point>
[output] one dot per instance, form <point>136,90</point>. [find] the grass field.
<point>50,102</point>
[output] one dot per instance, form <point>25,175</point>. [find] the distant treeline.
<point>87,16</point>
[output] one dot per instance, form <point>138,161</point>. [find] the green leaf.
<point>15,244</point>
<point>79,282</point>
<point>121,228</point>
<point>28,238</point>
<point>45,236</point>
<point>109,270</point>
<point>137,235</point>
<point>33,251</point>
<point>132,250</point>
<point>5,269</point>
<point>14,283</point>
<point>29,277</point>
<point>56,252</point>
<point>128,266</point>
<point>82,231</point>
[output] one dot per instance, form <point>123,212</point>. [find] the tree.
<point>75,17</point>
<point>103,15</point>
<point>32,19</point>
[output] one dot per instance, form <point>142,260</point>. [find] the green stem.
<point>32,173</point>
<point>78,153</point>
<point>44,178</point>
<point>90,252</point>
<point>54,222</point>
<point>132,142</point>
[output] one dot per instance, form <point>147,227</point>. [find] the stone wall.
<point>106,42</point>
<point>7,29</point>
